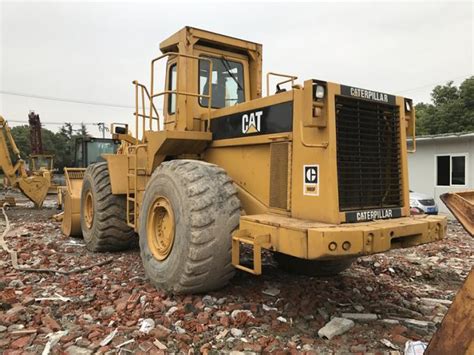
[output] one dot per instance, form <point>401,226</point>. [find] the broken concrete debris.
<point>272,291</point>
<point>111,308</point>
<point>147,325</point>
<point>360,317</point>
<point>336,326</point>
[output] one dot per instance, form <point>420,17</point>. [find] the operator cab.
<point>191,53</point>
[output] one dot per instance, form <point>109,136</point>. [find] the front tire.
<point>189,212</point>
<point>103,215</point>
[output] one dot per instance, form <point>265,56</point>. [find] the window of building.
<point>451,170</point>
<point>171,87</point>
<point>227,82</point>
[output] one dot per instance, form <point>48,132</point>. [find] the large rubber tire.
<point>206,211</point>
<point>318,268</point>
<point>109,230</point>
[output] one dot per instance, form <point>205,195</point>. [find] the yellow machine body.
<point>320,168</point>
<point>70,198</point>
<point>34,187</point>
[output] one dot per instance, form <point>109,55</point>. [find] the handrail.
<point>291,78</point>
<point>176,91</point>
<point>153,113</point>
<point>143,115</point>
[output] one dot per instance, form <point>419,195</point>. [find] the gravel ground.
<point>398,296</point>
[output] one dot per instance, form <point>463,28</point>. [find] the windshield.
<point>41,162</point>
<point>227,82</point>
<point>96,149</point>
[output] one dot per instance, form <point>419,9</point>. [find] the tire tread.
<point>111,231</point>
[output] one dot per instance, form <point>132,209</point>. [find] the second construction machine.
<point>36,186</point>
<point>316,173</point>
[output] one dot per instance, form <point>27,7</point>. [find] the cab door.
<point>170,98</point>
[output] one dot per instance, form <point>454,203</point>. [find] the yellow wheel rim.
<point>89,210</point>
<point>160,228</point>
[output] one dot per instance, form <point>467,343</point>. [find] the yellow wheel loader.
<point>34,187</point>
<point>314,172</point>
<point>87,150</point>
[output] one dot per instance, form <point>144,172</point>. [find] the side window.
<point>458,170</point>
<point>79,154</point>
<point>451,170</point>
<point>171,87</point>
<point>443,168</point>
<point>227,82</point>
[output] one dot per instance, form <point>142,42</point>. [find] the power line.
<point>55,123</point>
<point>433,84</point>
<point>76,101</point>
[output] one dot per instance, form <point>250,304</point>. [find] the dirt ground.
<point>402,295</point>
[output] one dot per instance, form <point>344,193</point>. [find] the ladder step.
<point>251,240</point>
<point>140,172</point>
<point>257,242</point>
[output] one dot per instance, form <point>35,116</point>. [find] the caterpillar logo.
<point>368,94</point>
<point>251,122</point>
<point>371,215</point>
<point>311,180</point>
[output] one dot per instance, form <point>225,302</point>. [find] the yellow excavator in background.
<point>34,187</point>
<point>38,161</point>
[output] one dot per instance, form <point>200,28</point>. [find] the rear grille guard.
<point>368,154</point>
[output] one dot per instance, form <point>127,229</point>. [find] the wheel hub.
<point>89,210</point>
<point>160,228</point>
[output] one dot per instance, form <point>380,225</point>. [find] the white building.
<point>442,163</point>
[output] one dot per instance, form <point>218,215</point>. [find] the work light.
<point>319,92</point>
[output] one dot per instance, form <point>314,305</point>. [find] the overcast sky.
<point>91,52</point>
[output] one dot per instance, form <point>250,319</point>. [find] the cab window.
<point>171,87</point>
<point>227,82</point>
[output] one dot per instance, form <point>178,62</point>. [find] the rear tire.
<point>103,215</point>
<point>187,218</point>
<point>317,268</point>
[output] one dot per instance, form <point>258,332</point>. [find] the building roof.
<point>445,136</point>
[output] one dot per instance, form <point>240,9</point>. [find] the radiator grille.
<point>279,175</point>
<point>368,154</point>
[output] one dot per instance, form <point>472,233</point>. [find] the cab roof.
<point>191,35</point>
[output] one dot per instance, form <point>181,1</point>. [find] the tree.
<point>21,136</point>
<point>451,110</point>
<point>66,130</point>
<point>83,130</point>
<point>60,144</point>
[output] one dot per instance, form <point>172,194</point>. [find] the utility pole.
<point>35,133</point>
<point>102,128</point>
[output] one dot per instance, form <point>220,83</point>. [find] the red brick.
<point>50,323</point>
<point>22,342</point>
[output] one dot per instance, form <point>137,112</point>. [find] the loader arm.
<point>461,205</point>
<point>455,334</point>
<point>33,187</point>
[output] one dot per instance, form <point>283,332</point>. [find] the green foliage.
<point>451,110</point>
<point>60,144</point>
